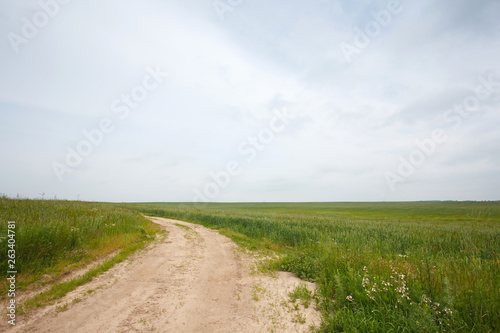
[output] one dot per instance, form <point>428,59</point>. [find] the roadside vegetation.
<point>53,237</point>
<point>380,267</point>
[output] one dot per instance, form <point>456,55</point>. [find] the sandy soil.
<point>194,280</point>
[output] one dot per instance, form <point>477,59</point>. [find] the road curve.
<point>195,280</point>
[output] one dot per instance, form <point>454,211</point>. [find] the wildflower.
<point>349,298</point>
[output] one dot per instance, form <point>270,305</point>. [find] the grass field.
<point>53,237</point>
<point>380,267</point>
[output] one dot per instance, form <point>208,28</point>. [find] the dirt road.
<point>195,280</point>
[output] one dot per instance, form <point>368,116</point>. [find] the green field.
<point>380,267</point>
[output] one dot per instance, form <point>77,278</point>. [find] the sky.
<point>250,100</point>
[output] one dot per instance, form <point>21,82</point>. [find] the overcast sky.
<point>252,100</point>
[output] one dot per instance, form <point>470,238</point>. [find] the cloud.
<point>226,78</point>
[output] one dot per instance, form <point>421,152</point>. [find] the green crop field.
<point>380,267</point>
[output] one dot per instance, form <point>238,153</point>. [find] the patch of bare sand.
<point>194,280</point>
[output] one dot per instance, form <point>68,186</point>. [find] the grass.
<point>59,290</point>
<point>257,291</point>
<point>183,226</point>
<point>428,210</point>
<point>380,267</point>
<point>53,237</point>
<point>301,293</point>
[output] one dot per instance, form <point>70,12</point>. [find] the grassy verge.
<point>59,290</point>
<point>53,237</point>
<point>434,268</point>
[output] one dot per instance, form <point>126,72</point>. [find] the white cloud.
<point>226,78</point>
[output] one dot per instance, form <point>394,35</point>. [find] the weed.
<point>61,308</point>
<point>299,318</point>
<point>183,226</point>
<point>303,293</point>
<point>257,290</point>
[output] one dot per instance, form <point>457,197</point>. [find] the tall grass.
<point>402,267</point>
<point>52,234</point>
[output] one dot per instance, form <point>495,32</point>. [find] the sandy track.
<point>195,280</point>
